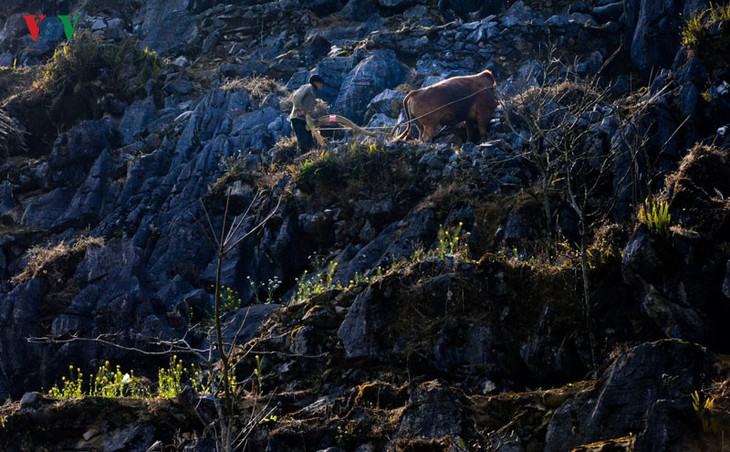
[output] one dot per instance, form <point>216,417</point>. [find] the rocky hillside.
<point>562,285</point>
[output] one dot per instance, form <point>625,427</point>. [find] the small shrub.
<point>713,49</point>
<point>285,150</point>
<point>269,287</point>
<point>125,66</point>
<point>449,243</point>
<point>321,171</point>
<point>315,285</point>
<point>694,31</point>
<point>169,381</point>
<point>257,87</point>
<point>655,215</point>
<point>356,168</point>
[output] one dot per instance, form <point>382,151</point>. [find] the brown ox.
<point>469,98</point>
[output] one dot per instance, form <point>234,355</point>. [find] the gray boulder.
<point>45,210</point>
<point>379,71</point>
<point>396,241</point>
<point>19,315</point>
<point>629,395</point>
<point>380,120</point>
<point>13,27</point>
<point>433,411</point>
<point>165,25</point>
<point>75,151</point>
<point>611,11</point>
<point>7,201</point>
<point>136,118</point>
<point>97,192</point>
<point>516,14</point>
<point>359,10</point>
<point>675,310</point>
<point>245,324</point>
<point>362,330</point>
<point>655,39</point>
<point>464,344</point>
<point>333,70</point>
<point>253,128</point>
<point>388,102</point>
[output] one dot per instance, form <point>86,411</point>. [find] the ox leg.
<point>472,131</point>
<point>483,127</point>
<point>428,132</point>
<point>419,127</point>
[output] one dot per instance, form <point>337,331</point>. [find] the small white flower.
<point>126,379</point>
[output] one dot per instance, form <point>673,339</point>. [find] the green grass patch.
<point>125,67</point>
<point>112,382</point>
<point>707,33</point>
<point>356,170</point>
<point>655,215</point>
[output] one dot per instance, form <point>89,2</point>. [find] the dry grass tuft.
<point>566,93</point>
<point>43,258</point>
<point>10,134</point>
<point>258,87</point>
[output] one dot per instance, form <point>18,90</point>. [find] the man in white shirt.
<point>305,99</point>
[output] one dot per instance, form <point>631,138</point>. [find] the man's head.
<point>317,81</point>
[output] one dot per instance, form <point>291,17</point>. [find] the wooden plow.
<point>337,122</point>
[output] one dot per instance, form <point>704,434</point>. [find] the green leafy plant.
<point>655,215</point>
<point>695,29</point>
<point>230,300</point>
<point>273,419</point>
<point>71,387</point>
<point>258,373</point>
<point>322,170</point>
<point>114,383</point>
<point>111,382</point>
<point>346,434</point>
<point>232,168</point>
<point>170,381</point>
<point>314,285</point>
<point>449,243</point>
<point>702,407</point>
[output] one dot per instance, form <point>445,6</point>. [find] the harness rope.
<point>444,106</point>
<point>349,125</point>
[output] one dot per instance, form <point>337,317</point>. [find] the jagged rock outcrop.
<point>638,386</point>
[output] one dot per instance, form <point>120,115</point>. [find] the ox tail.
<point>405,133</point>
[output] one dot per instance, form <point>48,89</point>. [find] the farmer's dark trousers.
<point>304,136</point>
